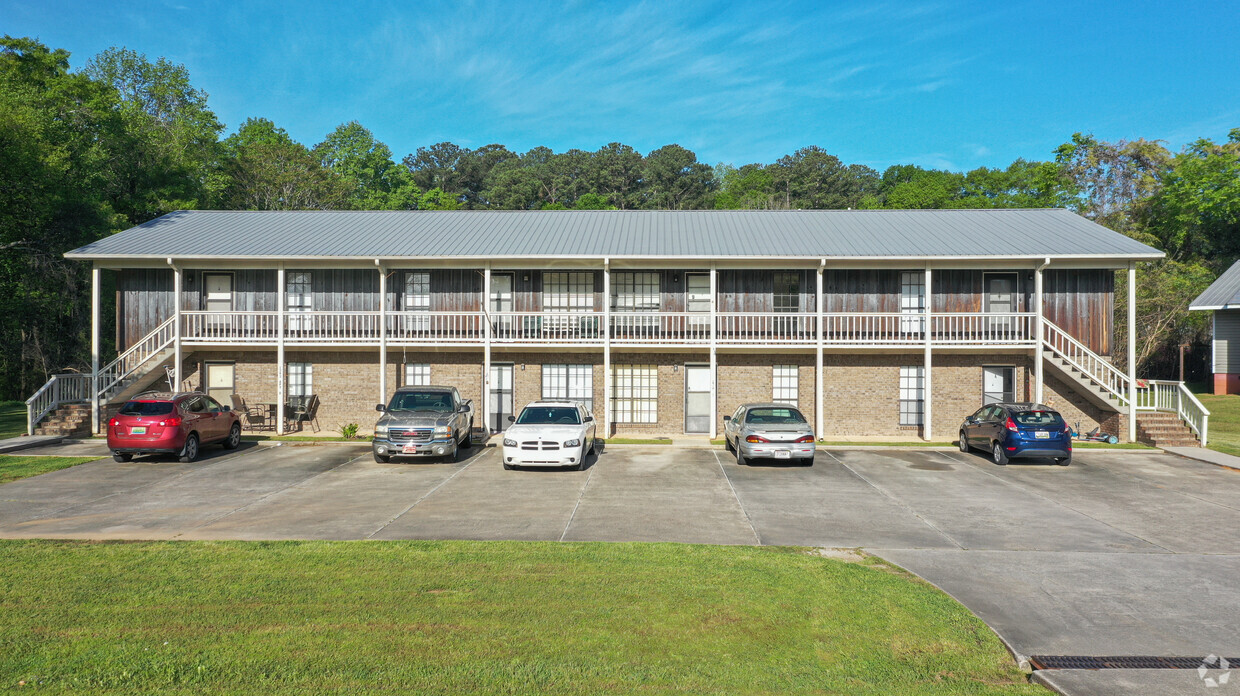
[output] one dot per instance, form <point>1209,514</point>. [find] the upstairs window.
<point>568,292</point>
<point>787,292</point>
<point>635,292</point>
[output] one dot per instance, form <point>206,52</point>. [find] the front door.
<point>697,301</point>
<point>998,384</point>
<point>221,382</point>
<point>501,304</point>
<point>217,293</point>
<point>1000,298</point>
<point>697,398</point>
<point>501,397</point>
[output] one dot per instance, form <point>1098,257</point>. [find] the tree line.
<point>122,140</point>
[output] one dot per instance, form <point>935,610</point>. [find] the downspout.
<point>1039,369</point>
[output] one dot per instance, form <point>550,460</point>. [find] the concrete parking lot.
<point>1123,553</point>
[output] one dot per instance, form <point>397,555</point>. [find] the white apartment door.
<point>501,304</point>
<point>300,299</point>
<point>217,294</point>
<point>697,398</point>
<point>697,301</point>
<point>501,397</point>
<point>221,382</point>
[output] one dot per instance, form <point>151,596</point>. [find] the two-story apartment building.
<point>889,324</point>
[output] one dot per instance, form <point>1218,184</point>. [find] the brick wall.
<point>747,378</point>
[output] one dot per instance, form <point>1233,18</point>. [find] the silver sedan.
<point>769,431</point>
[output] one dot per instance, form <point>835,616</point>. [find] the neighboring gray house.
<point>1223,298</point>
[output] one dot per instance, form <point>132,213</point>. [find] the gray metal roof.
<point>618,234</point>
<point>1223,293</point>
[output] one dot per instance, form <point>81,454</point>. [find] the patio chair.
<point>305,409</point>
<point>253,418</point>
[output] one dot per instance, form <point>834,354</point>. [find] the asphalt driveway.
<point>1123,553</point>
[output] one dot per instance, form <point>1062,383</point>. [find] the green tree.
<point>675,180</point>
<point>616,173</point>
<point>752,187</point>
<point>1108,182</point>
<point>593,201</point>
<point>376,182</point>
<point>1195,214</point>
<point>813,179</point>
<point>268,170</point>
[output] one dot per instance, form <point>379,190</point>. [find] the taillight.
<point>171,422</point>
<point>114,422</point>
<point>755,438</point>
<point>807,438</point>
<point>1011,424</point>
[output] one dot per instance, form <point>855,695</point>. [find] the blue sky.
<point>942,84</point>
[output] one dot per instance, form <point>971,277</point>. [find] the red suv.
<point>164,423</point>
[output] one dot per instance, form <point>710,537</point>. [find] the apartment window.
<point>417,374</point>
<point>300,298</point>
<point>572,382</point>
<point>912,300</point>
<point>635,292</point>
<point>636,398</point>
<point>912,395</point>
<point>300,379</point>
<point>998,384</point>
<point>568,292</point>
<point>784,389</point>
<point>417,299</point>
<point>787,292</point>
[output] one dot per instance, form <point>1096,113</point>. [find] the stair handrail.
<point>64,388</point>
<point>137,355</point>
<point>1174,397</point>
<point>1091,365</point>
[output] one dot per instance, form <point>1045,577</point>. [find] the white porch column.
<point>1132,351</point>
<point>486,346</point>
<point>928,383</point>
<point>95,275</point>
<point>606,347</point>
<point>1039,370</point>
<point>176,333</point>
<point>714,358</point>
<point>819,387</point>
<point>382,333</point>
<point>282,302</point>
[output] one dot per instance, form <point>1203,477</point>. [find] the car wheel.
<point>740,458</point>
<point>1064,461</point>
<point>581,461</point>
<point>190,451</point>
<point>594,446</point>
<point>998,455</point>
<point>466,441</point>
<point>382,458</point>
<point>234,437</point>
<point>964,443</point>
<point>118,457</point>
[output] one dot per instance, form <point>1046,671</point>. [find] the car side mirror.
<point>512,419</point>
<point>380,407</point>
<point>970,421</point>
<point>589,419</point>
<point>463,408</point>
<point>226,408</point>
<point>727,419</point>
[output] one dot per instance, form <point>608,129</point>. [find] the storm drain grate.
<point>1120,662</point>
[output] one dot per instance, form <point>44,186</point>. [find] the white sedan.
<point>550,433</point>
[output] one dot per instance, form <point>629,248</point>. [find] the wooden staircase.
<point>1162,429</point>
<point>68,420</point>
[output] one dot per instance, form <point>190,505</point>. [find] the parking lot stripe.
<point>581,494</point>
<point>896,500</point>
<point>425,496</point>
<point>744,512</point>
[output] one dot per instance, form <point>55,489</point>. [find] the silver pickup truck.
<point>423,422</point>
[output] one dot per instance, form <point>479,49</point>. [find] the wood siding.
<point>753,290</point>
<point>143,302</point>
<point>959,290</point>
<point>1227,341</point>
<point>254,290</point>
<point>861,290</point>
<point>452,289</point>
<point>1082,303</point>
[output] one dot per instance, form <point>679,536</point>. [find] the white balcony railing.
<point>634,328</point>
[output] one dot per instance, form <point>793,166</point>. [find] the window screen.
<point>568,292</point>
<point>998,384</point>
<point>635,292</point>
<point>784,388</point>
<point>912,395</point>
<point>636,398</point>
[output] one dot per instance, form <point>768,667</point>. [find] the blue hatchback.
<point>1018,430</point>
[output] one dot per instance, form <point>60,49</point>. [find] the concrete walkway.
<point>15,444</point>
<point>1208,456</point>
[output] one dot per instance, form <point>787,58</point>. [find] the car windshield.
<point>437,402</point>
<point>774,416</point>
<point>549,415</point>
<point>146,408</point>
<point>1038,419</point>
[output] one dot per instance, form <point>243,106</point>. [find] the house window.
<point>417,374</point>
<point>417,299</point>
<point>912,395</point>
<point>300,379</point>
<point>300,298</point>
<point>912,300</point>
<point>568,292</point>
<point>570,382</point>
<point>635,292</point>
<point>636,397</point>
<point>787,292</point>
<point>785,384</point>
<point>998,384</point>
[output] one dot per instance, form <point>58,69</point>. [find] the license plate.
<point>409,449</point>
<point>1041,435</point>
<point>783,454</point>
<point>138,430</point>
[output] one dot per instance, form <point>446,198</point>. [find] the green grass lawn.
<point>12,419</point>
<point>479,617</point>
<point>1224,430</point>
<point>13,467</point>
